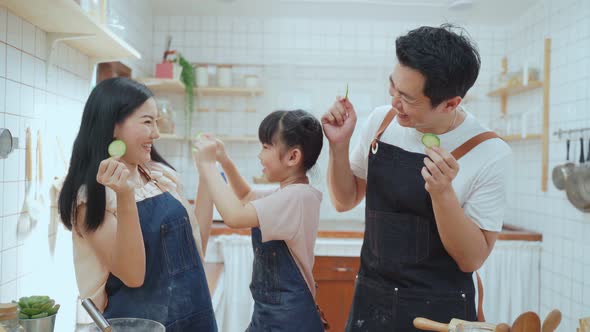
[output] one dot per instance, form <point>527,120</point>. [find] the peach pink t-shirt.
<point>292,214</point>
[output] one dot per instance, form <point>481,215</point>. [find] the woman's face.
<point>138,131</point>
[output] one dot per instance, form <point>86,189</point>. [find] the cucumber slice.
<point>117,148</point>
<point>346,95</point>
<point>430,140</point>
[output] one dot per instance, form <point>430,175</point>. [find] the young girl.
<point>137,245</point>
<point>284,221</point>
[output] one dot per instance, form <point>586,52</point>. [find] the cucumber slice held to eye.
<point>117,148</point>
<point>430,140</point>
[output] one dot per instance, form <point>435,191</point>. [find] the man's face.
<point>406,87</point>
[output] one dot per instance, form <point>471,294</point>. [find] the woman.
<point>137,247</point>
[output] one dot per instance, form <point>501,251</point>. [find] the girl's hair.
<point>296,128</point>
<point>109,103</point>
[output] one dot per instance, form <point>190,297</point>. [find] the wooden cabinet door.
<point>335,277</point>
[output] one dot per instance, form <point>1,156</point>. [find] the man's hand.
<point>439,171</point>
<point>339,122</point>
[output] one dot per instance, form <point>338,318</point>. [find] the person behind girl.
<point>137,246</point>
<point>284,221</point>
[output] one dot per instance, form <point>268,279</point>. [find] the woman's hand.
<point>114,174</point>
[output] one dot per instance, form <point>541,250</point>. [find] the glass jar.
<point>9,318</point>
<point>166,123</point>
<point>224,76</point>
<point>202,76</point>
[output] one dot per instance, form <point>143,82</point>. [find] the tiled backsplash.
<point>301,63</point>
<point>565,267</point>
<point>44,101</point>
<point>37,258</point>
<point>306,62</point>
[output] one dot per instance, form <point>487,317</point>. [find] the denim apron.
<point>175,291</point>
<point>282,299</point>
<point>405,270</point>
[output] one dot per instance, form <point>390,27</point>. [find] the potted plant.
<point>187,77</point>
<point>37,313</point>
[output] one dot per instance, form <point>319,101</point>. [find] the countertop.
<point>354,229</point>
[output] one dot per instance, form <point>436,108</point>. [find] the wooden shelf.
<point>228,139</point>
<point>163,85</point>
<point>173,86</point>
<point>215,91</point>
<point>503,93</point>
<point>516,89</point>
<point>64,20</point>
<point>172,137</point>
<point>239,139</point>
<point>516,138</point>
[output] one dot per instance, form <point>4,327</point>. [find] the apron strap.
<point>472,143</point>
<point>386,121</point>
<point>147,175</point>
<point>457,153</point>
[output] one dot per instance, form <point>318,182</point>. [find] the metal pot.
<point>45,324</point>
<point>578,184</point>
<point>131,325</point>
<point>118,324</point>
<point>562,172</point>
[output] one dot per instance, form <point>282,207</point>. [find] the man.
<point>432,214</point>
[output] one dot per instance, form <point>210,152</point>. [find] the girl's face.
<point>270,158</point>
<point>138,131</point>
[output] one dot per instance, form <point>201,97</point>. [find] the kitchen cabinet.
<point>335,278</point>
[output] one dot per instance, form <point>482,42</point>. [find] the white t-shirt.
<point>481,182</point>
<point>292,214</point>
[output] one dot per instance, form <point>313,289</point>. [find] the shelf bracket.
<point>53,38</point>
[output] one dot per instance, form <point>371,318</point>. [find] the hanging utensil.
<point>36,207</point>
<point>561,172</point>
<point>24,221</point>
<point>578,184</point>
<point>40,182</point>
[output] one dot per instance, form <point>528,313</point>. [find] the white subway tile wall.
<point>306,62</point>
<point>301,63</point>
<point>36,257</point>
<point>565,264</point>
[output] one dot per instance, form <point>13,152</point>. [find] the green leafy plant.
<point>33,307</point>
<point>187,77</point>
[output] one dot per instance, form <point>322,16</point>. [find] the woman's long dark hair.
<point>110,103</point>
